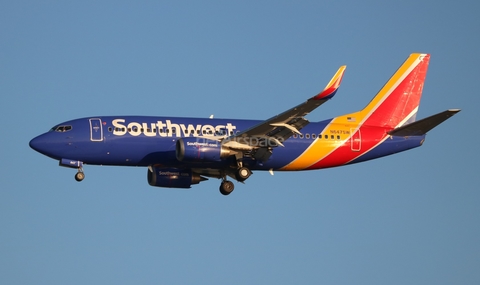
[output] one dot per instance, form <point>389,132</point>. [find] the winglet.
<point>332,86</point>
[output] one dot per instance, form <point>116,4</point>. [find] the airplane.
<point>181,152</point>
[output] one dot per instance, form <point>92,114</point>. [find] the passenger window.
<point>314,136</point>
<point>295,136</point>
<point>338,137</point>
<point>301,136</point>
<point>332,137</point>
<point>110,129</point>
<point>307,136</point>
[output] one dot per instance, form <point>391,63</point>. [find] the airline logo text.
<point>169,129</point>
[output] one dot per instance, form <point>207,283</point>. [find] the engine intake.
<point>200,150</point>
<point>173,178</point>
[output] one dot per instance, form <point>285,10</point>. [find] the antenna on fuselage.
<point>211,116</point>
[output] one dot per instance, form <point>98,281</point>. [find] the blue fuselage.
<point>145,141</point>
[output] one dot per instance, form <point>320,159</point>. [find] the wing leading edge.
<point>280,127</point>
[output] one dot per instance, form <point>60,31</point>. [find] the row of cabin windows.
<point>220,133</point>
<point>314,136</point>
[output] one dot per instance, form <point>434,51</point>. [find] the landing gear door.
<point>96,130</point>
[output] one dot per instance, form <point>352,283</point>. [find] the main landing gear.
<point>242,174</point>
<point>226,187</point>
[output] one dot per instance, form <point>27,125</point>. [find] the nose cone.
<point>36,143</point>
<point>40,144</point>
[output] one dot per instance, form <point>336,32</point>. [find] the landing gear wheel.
<point>242,174</point>
<point>226,187</point>
<point>79,176</point>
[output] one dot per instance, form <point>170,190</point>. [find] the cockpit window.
<point>61,129</point>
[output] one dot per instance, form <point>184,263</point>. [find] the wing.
<point>277,129</point>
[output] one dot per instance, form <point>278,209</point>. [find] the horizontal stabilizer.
<point>423,126</point>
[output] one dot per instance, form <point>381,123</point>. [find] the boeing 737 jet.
<point>180,152</point>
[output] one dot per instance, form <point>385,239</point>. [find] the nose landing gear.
<point>79,176</point>
<point>74,164</point>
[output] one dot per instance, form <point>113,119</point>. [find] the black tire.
<point>242,174</point>
<point>79,176</point>
<point>226,187</point>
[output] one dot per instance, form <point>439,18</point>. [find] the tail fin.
<point>397,102</point>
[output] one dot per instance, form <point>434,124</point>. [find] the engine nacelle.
<point>200,150</point>
<point>173,178</point>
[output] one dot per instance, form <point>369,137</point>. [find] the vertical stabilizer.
<point>397,102</point>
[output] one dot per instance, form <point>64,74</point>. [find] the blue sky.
<point>412,218</point>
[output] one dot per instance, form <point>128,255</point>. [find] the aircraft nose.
<point>39,144</point>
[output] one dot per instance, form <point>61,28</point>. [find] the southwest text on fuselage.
<point>169,129</point>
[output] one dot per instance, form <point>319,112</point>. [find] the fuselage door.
<point>96,130</point>
<point>356,140</point>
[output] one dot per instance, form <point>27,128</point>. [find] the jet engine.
<point>200,150</point>
<point>172,177</point>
